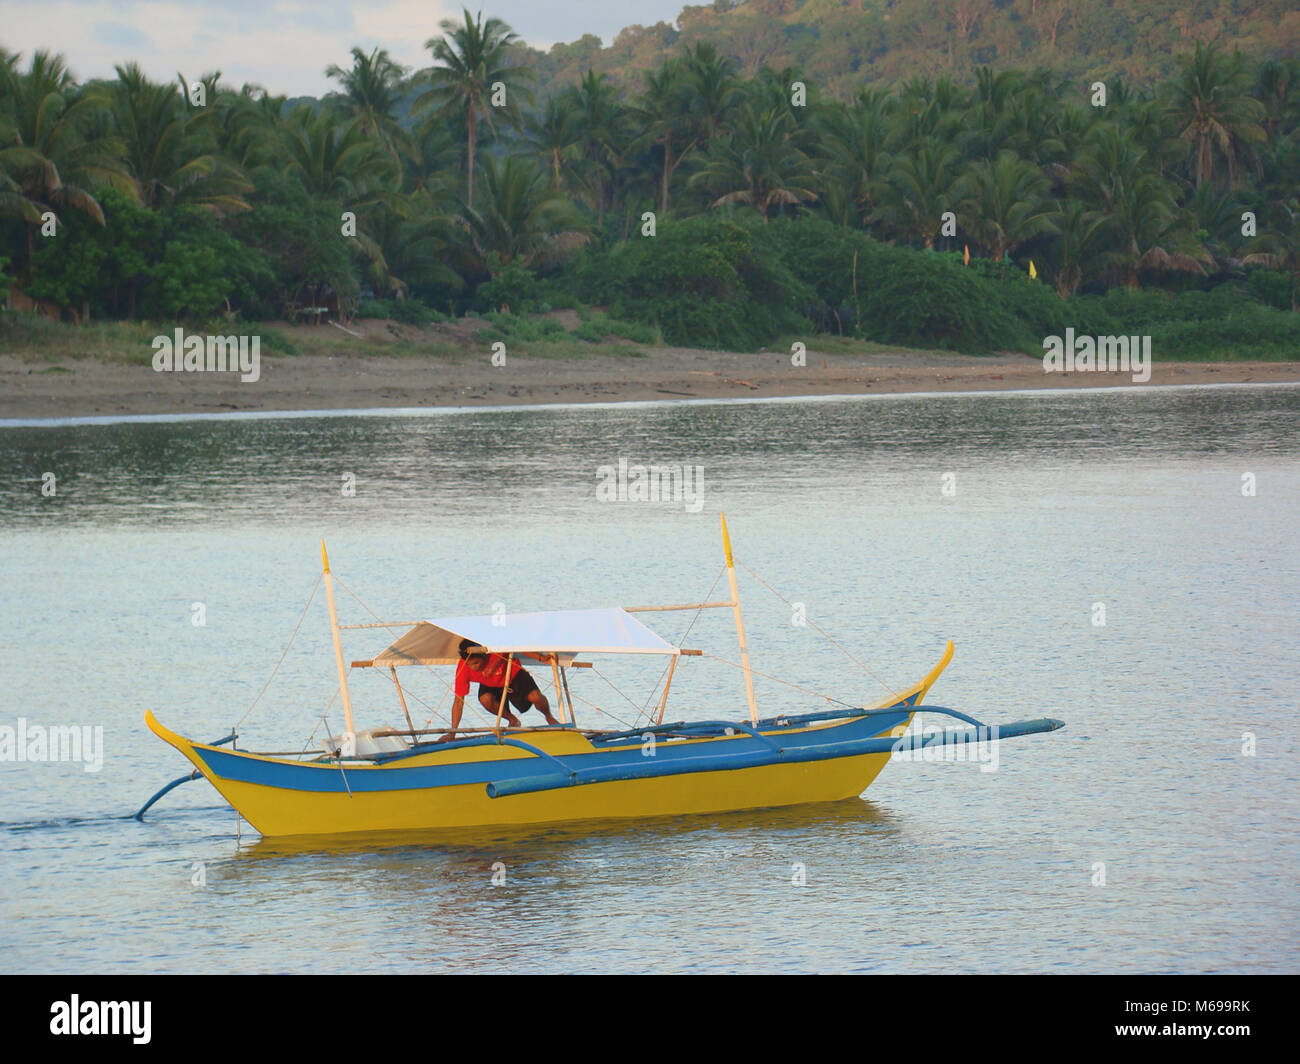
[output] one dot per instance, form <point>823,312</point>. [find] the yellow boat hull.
<point>284,811</point>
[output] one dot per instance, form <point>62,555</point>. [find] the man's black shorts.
<point>520,688</point>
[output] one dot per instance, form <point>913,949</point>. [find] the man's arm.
<point>458,703</point>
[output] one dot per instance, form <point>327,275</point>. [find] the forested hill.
<point>843,43</point>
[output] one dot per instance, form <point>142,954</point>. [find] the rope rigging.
<point>310,599</point>
<point>642,710</point>
<point>818,628</point>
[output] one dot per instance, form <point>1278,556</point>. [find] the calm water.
<point>1134,501</point>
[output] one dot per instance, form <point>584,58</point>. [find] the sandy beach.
<point>83,387</point>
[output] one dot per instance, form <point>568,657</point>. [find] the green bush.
<point>512,327</point>
<point>1273,288</point>
<point>514,286</point>
<point>704,282</point>
<point>105,267</point>
<point>598,327</point>
<point>1222,322</point>
<point>175,265</point>
<point>930,301</point>
<point>406,311</point>
<point>203,270</point>
<point>275,342</point>
<point>298,236</point>
<point>901,296</point>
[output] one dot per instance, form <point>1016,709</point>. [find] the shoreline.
<point>71,388</point>
<point>441,411</point>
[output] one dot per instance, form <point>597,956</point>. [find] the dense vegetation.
<point>1173,209</point>
<point>844,44</point>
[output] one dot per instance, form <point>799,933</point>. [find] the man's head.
<point>472,653</point>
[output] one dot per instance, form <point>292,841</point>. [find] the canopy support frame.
<point>565,716</point>
<point>505,691</point>
<point>663,702</point>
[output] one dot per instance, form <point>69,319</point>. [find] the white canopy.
<point>562,632</point>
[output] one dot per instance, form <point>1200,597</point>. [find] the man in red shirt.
<point>489,672</point>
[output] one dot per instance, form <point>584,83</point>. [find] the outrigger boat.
<point>387,779</point>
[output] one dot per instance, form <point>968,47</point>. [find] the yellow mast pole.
<point>740,623</point>
<point>338,645</point>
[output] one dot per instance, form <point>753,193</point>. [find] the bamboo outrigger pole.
<point>740,624</point>
<point>338,646</point>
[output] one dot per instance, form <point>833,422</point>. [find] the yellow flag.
<point>1033,273</point>
<point>965,259</point>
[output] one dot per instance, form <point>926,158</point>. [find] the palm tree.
<point>67,150</point>
<point>1151,126</point>
<point>1075,129</point>
<point>922,185</point>
<point>663,112</point>
<point>334,158</point>
<point>995,124</point>
<point>1278,247</point>
<point>13,155</point>
<point>14,203</point>
<point>409,243</point>
<point>469,59</point>
<point>431,158</point>
<point>249,125</point>
<point>853,149</point>
<point>165,147</point>
<point>1007,202</point>
<point>1215,114</point>
<point>1218,220</point>
<point>712,91</point>
<point>520,218</point>
<point>372,91</point>
<point>553,133</point>
<point>1144,228</point>
<point>1277,86</point>
<point>759,162</point>
<point>1078,235</point>
<point>604,136</point>
<point>927,111</point>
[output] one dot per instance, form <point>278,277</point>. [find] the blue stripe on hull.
<point>329,778</point>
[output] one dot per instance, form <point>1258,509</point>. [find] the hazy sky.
<point>284,45</point>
